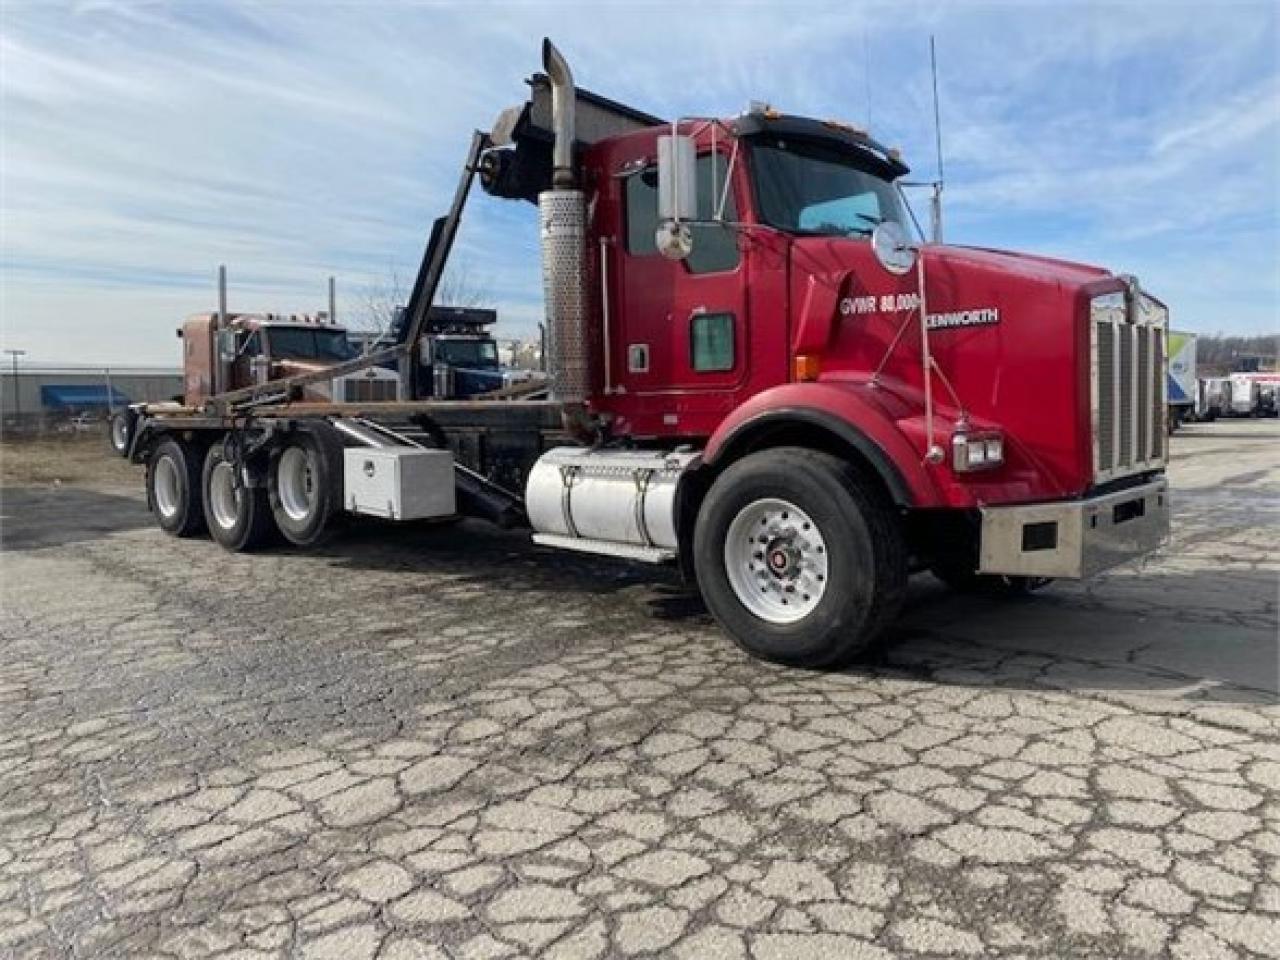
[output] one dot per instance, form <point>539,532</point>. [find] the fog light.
<point>976,451</point>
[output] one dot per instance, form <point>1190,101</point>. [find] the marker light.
<point>807,366</point>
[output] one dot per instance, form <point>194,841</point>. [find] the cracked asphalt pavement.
<point>430,743</point>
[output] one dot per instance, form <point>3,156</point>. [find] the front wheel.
<point>799,557</point>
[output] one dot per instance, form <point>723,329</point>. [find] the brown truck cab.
<point>255,348</point>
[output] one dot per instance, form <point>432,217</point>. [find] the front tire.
<point>120,431</point>
<point>173,488</point>
<point>799,557</point>
<point>304,483</point>
<point>238,515</point>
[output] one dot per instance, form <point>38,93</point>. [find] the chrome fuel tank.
<point>618,502</point>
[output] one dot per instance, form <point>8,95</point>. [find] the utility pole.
<point>17,398</point>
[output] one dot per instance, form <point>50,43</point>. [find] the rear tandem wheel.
<point>238,514</point>
<point>173,488</point>
<point>304,484</point>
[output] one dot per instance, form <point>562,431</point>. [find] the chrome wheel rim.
<point>119,433</point>
<point>776,560</point>
<point>296,484</point>
<point>224,498</point>
<point>168,489</point>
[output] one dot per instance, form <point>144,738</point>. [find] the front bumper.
<point>1074,539</point>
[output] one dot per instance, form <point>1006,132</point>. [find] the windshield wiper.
<point>830,230</point>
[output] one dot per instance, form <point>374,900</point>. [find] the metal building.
<point>39,394</point>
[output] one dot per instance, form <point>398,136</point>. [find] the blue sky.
<point>146,142</point>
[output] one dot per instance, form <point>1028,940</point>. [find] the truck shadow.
<point>1154,633</point>
<point>50,516</point>
<point>477,552</point>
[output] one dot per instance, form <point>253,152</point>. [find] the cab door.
<point>682,324</point>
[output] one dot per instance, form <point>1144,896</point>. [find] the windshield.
<point>804,187</point>
<point>310,343</point>
<point>467,353</point>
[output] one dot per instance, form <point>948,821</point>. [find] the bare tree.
<point>460,288</point>
<point>381,302</point>
<point>384,300</point>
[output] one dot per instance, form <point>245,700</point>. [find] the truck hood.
<point>294,368</point>
<point>1026,264</point>
<point>1008,333</point>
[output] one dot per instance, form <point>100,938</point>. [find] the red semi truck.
<point>753,373</point>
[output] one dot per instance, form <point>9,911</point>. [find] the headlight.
<point>976,451</point>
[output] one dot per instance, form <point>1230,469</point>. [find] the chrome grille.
<point>368,390</point>
<point>1159,388</point>
<point>1127,336</point>
<point>1127,394</point>
<point>1143,377</point>
<point>1105,412</point>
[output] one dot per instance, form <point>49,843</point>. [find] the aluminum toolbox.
<point>399,483</point>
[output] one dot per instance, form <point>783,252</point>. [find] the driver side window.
<point>715,247</point>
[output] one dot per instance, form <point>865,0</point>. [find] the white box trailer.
<point>1254,394</point>
<point>1244,395</point>
<point>1181,377</point>
<point>1213,398</point>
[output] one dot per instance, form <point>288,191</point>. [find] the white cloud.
<point>145,142</point>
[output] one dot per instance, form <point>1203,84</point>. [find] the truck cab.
<point>754,296</point>
<point>459,356</point>
<point>255,348</point>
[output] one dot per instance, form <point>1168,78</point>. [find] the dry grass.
<point>80,459</point>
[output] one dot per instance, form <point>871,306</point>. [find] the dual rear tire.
<point>120,431</point>
<point>191,489</point>
<point>236,509</point>
<point>304,485</point>
<point>173,488</point>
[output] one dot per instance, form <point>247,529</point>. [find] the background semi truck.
<point>752,373</point>
<point>456,354</point>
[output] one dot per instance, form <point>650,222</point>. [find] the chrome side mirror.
<point>227,345</point>
<point>893,250</point>
<point>677,195</point>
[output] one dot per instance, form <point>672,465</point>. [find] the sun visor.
<point>598,118</point>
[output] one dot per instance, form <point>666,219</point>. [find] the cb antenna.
<point>936,205</point>
<point>866,73</point>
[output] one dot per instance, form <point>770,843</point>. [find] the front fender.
<point>851,411</point>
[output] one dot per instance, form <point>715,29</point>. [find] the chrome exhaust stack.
<point>562,215</point>
<point>563,115</point>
